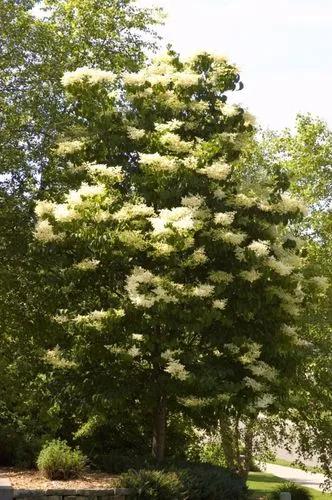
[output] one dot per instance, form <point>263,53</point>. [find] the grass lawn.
<point>287,463</point>
<point>261,483</point>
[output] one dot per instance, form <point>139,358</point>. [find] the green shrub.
<point>58,461</point>
<point>209,482</point>
<point>153,484</point>
<point>297,492</point>
<point>187,482</point>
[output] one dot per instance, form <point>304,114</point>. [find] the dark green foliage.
<point>186,481</point>
<point>154,484</point>
<point>204,481</point>
<point>297,492</point>
<point>58,461</point>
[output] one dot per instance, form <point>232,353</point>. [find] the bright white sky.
<point>283,49</point>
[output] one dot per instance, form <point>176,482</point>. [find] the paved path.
<point>309,479</point>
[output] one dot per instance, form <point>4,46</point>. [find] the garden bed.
<point>31,479</point>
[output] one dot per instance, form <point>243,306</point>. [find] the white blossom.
<point>64,213</point>
<point>180,218</point>
<point>321,282</point>
<point>87,264</point>
<point>288,204</point>
<point>69,147</point>
<point>242,200</point>
<point>44,207</point>
<point>133,211</point>
<point>44,232</point>
<point>134,351</point>
<point>137,336</point>
<point>135,133</point>
<point>132,239</point>
<point>159,162</point>
<point>219,304</point>
<point>114,174</point>
<point>90,75</point>
<point>192,201</point>
<point>177,370</point>
<point>224,218</point>
<point>233,238</point>
<point>218,171</point>
<point>168,126</point>
<point>251,275</point>
<point>260,248</point>
<point>279,267</point>
<point>202,290</point>
<point>229,110</point>
<point>174,143</point>
<point>219,194</point>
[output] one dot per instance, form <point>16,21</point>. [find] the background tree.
<point>37,43</point>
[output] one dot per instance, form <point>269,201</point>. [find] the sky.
<point>282,47</point>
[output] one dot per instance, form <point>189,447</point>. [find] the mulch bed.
<point>31,479</point>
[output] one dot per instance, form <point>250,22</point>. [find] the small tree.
<point>177,277</point>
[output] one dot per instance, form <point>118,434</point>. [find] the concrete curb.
<point>6,489</point>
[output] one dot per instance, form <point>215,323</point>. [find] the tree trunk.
<point>159,430</point>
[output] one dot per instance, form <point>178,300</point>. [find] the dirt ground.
<point>30,479</point>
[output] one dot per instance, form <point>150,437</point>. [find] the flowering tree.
<point>178,274</point>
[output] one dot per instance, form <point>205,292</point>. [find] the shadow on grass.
<point>264,478</point>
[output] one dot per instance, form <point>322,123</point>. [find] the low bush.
<point>186,481</point>
<point>297,492</point>
<point>58,461</point>
<point>209,482</point>
<point>153,484</point>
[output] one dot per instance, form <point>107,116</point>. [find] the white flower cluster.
<point>260,248</point>
<point>155,292</point>
<point>64,213</point>
<point>161,249</point>
<point>261,369</point>
<point>224,218</point>
<point>44,232</point>
<point>90,75</point>
<point>114,174</point>
<point>197,258</point>
<point>219,304</point>
<point>176,370</point>
<point>253,384</point>
<point>87,264</point>
<point>69,147</point>
<point>135,133</point>
<point>75,197</point>
<point>287,204</point>
<point>54,357</point>
<point>218,171</point>
<point>249,119</point>
<point>158,162</point>
<point>232,238</point>
<point>321,282</point>
<point>202,290</point>
<point>179,218</point>
<point>132,238</point>
<point>251,276</point>
<point>242,200</point>
<point>192,201</point>
<point>174,143</point>
<point>133,211</point>
<point>138,337</point>
<point>279,267</point>
<point>43,208</point>
<point>168,126</point>
<point>229,110</point>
